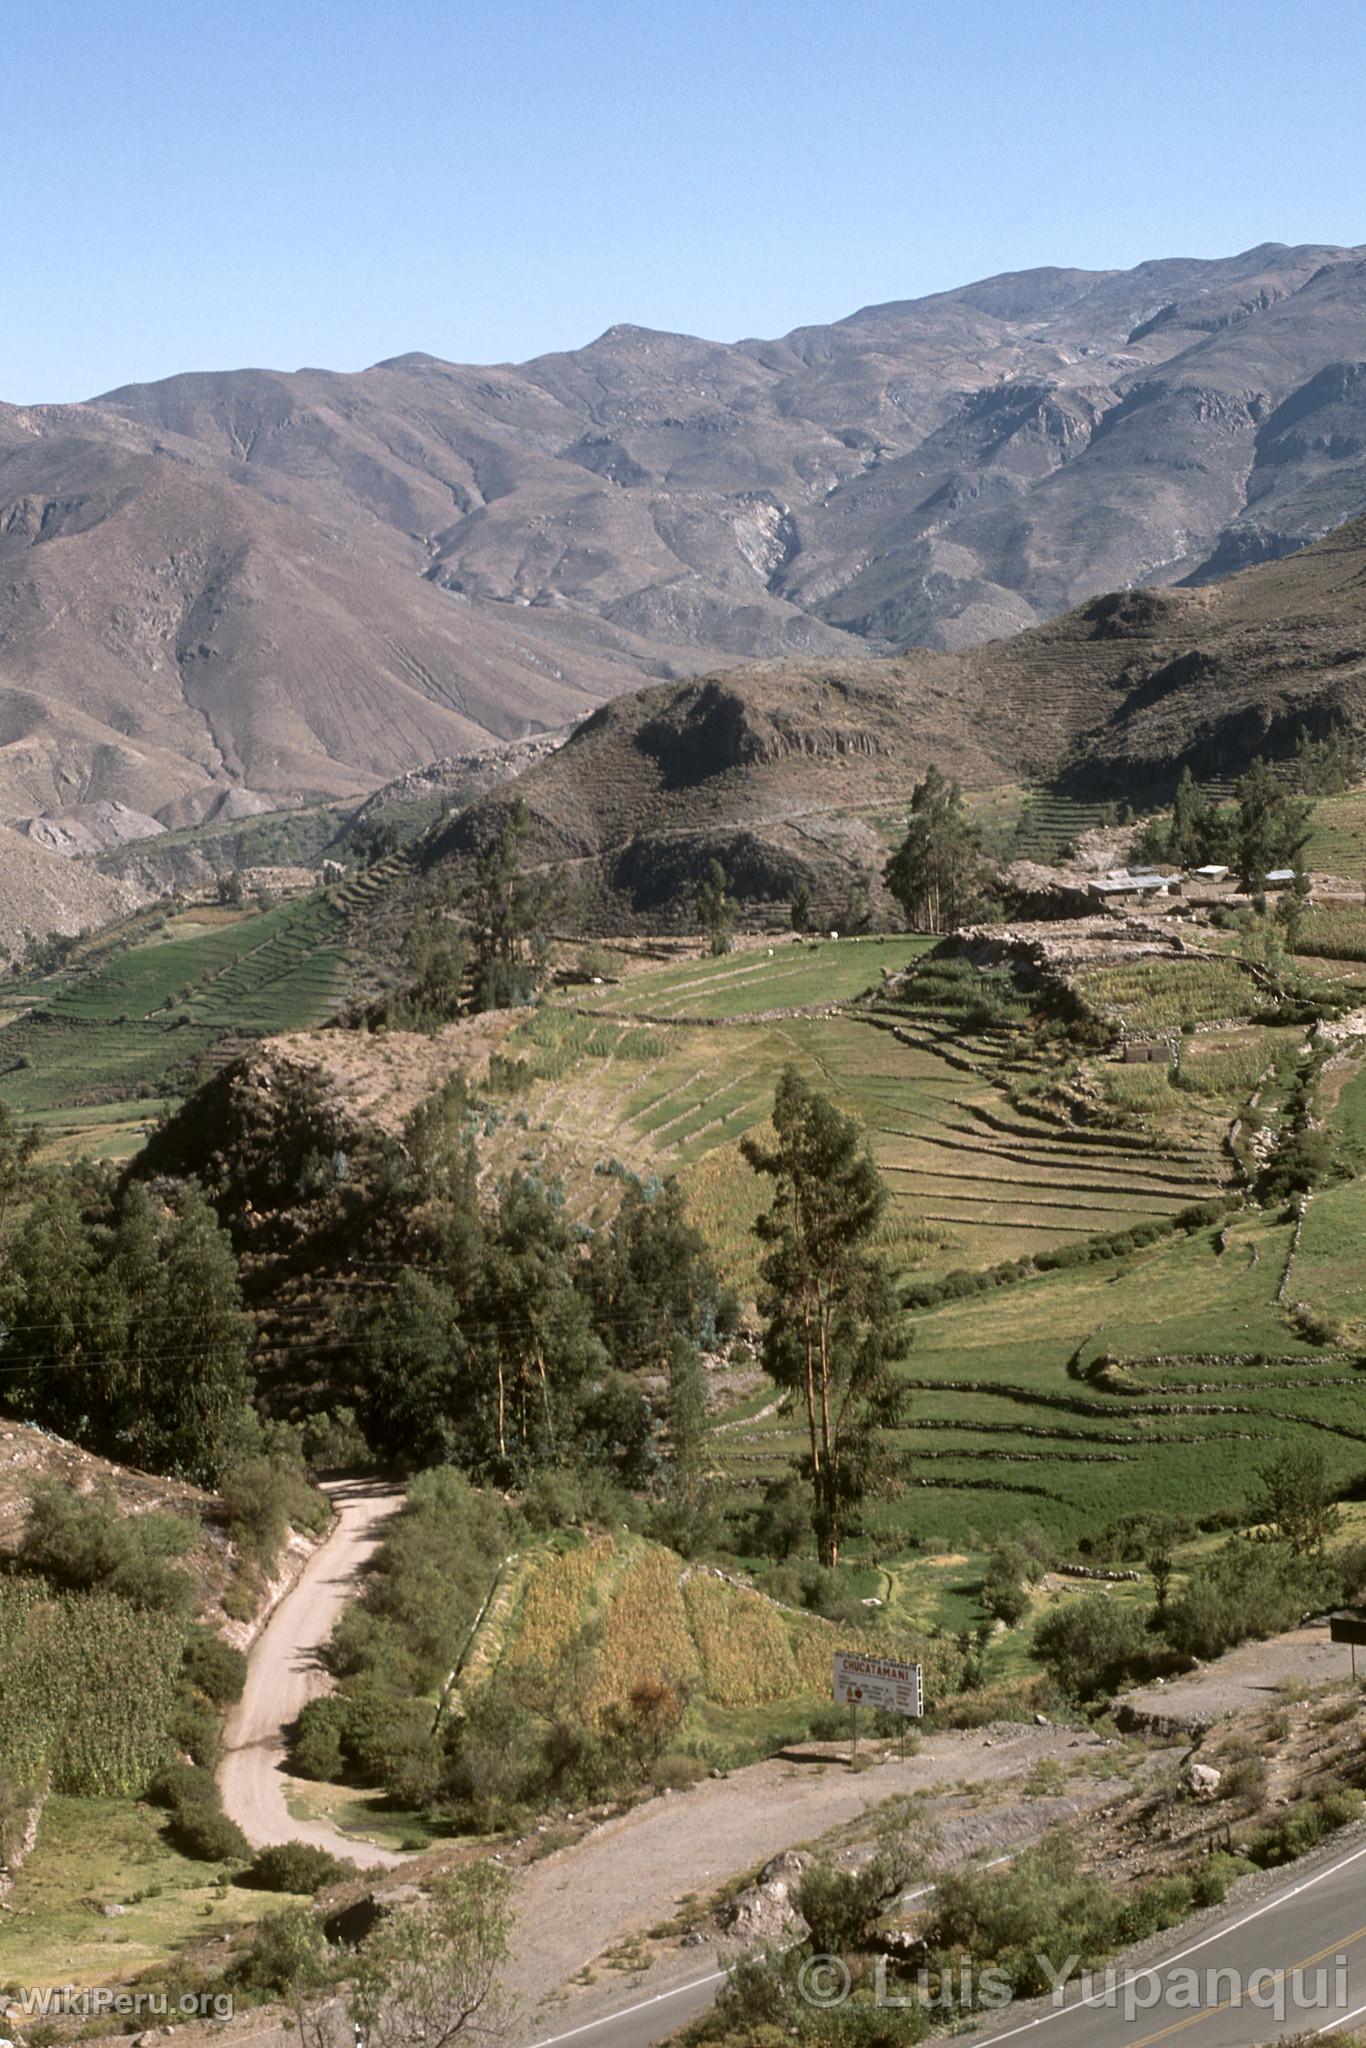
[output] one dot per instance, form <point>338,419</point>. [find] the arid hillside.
<point>302,585</point>
<point>763,768</point>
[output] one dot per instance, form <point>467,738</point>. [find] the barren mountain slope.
<point>42,891</point>
<point>305,584</point>
<point>762,767</point>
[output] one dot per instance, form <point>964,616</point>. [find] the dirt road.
<point>285,1670</point>
<point>1247,1677</point>
<point>632,1871</point>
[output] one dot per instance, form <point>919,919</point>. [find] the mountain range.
<point>780,770</point>
<point>259,588</point>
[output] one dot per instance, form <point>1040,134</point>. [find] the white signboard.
<point>879,1682</point>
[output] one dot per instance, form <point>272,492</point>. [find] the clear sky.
<point>195,184</point>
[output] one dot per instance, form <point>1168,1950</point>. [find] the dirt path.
<point>1247,1677</point>
<point>285,1670</point>
<point>632,1871</point>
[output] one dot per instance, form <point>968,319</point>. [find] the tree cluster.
<point>121,1325</point>
<point>938,873</point>
<point>515,1340</point>
<point>1265,828</point>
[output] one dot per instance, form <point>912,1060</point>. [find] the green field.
<point>124,1030</point>
<point>1013,1417</point>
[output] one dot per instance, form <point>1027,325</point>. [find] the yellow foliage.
<point>555,1604</point>
<point>746,1657</point>
<point>645,1632</point>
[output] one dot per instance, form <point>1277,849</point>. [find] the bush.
<point>315,1749</point>
<point>267,1494</point>
<point>197,1824</point>
<point>1303,1828</point>
<point>293,1867</point>
<point>86,1541</point>
<point>215,1668</point>
<point>1247,1589</point>
<point>1211,1882</point>
<point>840,1906</point>
<point>1089,1646</point>
<point>194,1727</point>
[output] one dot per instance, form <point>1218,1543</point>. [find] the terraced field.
<point>1080,1396</point>
<point>80,1044</point>
<point>976,1172</point>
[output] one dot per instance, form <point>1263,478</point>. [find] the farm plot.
<point>973,1177</point>
<point>121,1033</point>
<point>640,1614</point>
<point>790,974</point>
<point>1163,1380</point>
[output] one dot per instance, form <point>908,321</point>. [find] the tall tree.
<point>936,873</point>
<point>715,911</point>
<point>833,1331</point>
<point>1273,825</point>
<point>509,913</point>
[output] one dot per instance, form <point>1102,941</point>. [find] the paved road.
<point>1290,1963</point>
<point>1299,1958</point>
<point>285,1669</point>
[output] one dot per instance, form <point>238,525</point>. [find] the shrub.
<point>197,1824</point>
<point>1211,1882</point>
<point>1300,1830</point>
<point>1088,1646</point>
<point>194,1727</point>
<point>86,1542</point>
<point>1247,1589</point>
<point>293,1867</point>
<point>840,1906</point>
<point>315,1750</point>
<point>215,1668</point>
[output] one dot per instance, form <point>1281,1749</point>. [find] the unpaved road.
<point>285,1670</point>
<point>632,1871</point>
<point>1247,1678</point>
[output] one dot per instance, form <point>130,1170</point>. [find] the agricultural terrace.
<point>1160,1377</point>
<point>92,1053</point>
<point>943,1072</point>
<point>748,1665</point>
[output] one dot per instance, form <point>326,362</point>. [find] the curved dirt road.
<point>285,1669</point>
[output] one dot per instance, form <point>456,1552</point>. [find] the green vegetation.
<point>832,1332</point>
<point>60,1651</point>
<point>937,873</point>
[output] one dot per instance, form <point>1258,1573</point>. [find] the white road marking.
<point>608,2019</point>
<point>1156,1970</point>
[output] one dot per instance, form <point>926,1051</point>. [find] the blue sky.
<point>196,185</point>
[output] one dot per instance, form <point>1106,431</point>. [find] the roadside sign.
<point>1347,1628</point>
<point>879,1682</point>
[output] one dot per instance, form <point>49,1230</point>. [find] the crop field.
<point>1333,934</point>
<point>57,1652</point>
<point>1337,839</point>
<point>1074,1398</point>
<point>81,1044</point>
<point>1161,995</point>
<point>649,1615</point>
<point>974,1173</point>
<point>790,974</point>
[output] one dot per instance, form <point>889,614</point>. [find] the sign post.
<point>862,1681</point>
<point>1348,1626</point>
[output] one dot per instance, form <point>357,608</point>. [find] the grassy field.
<point>1013,1414</point>
<point>93,1052</point>
<point>97,1852</point>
